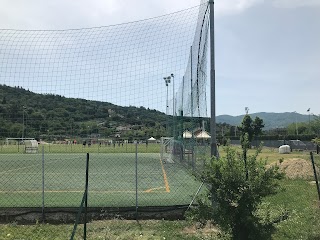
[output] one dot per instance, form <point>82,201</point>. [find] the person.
<point>84,143</point>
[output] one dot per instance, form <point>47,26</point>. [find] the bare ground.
<point>297,168</point>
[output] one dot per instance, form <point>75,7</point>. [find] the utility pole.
<point>214,150</point>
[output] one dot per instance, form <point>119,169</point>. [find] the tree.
<point>251,128</point>
<point>257,126</point>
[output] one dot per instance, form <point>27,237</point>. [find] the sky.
<point>267,52</point>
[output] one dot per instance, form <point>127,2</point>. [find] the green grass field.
<point>79,148</point>
<point>112,180</point>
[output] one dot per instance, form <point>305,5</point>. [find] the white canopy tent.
<point>187,134</point>
<point>203,135</point>
<point>152,140</point>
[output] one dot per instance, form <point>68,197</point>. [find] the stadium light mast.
<point>23,127</point>
<point>296,125</point>
<point>173,106</point>
<point>173,110</point>
<point>214,150</point>
<point>309,121</point>
<point>167,81</point>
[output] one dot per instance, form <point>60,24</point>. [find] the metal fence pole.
<point>43,216</point>
<point>136,180</point>
<point>315,174</point>
<point>86,199</point>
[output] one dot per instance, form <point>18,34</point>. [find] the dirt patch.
<point>208,229</point>
<point>297,168</point>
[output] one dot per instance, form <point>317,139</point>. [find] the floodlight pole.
<point>23,127</point>
<point>296,125</point>
<point>309,121</point>
<point>173,105</point>
<point>214,150</point>
<point>167,81</point>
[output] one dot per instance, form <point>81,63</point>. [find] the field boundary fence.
<point>49,187</point>
<point>97,90</point>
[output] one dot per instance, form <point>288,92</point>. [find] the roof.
<point>203,135</point>
<point>187,134</point>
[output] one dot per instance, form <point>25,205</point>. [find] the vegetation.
<point>250,128</point>
<point>50,116</point>
<point>53,117</point>
<point>291,213</point>
<point>109,229</point>
<point>271,120</point>
<point>238,186</point>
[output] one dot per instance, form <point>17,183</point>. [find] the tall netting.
<point>106,91</point>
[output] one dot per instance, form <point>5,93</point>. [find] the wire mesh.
<point>65,93</point>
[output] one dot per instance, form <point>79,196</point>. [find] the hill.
<point>27,114</point>
<point>58,117</point>
<point>271,120</point>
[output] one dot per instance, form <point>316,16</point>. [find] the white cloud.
<point>234,6</point>
<point>295,3</point>
<point>64,14</point>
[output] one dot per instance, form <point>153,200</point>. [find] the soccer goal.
<point>167,149</point>
<point>17,140</point>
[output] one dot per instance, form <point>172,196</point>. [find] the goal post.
<point>171,150</point>
<point>166,150</point>
<point>17,139</point>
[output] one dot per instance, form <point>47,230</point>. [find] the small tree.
<point>237,188</point>
<point>250,127</point>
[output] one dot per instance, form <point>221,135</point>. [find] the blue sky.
<point>267,51</point>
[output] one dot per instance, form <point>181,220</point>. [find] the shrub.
<point>238,184</point>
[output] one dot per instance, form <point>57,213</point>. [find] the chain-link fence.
<point>55,180</point>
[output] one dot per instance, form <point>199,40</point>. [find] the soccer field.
<point>112,180</point>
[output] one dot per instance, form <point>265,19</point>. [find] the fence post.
<point>43,216</point>
<point>86,199</point>
<point>315,174</point>
<point>136,158</point>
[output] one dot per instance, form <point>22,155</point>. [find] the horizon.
<point>250,113</point>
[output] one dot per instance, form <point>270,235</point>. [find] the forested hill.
<point>53,115</point>
<point>24,113</point>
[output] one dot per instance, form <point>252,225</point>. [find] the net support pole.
<point>43,215</point>
<point>214,151</point>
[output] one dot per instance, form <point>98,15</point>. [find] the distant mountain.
<point>271,120</point>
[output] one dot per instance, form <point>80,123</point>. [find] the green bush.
<point>238,184</point>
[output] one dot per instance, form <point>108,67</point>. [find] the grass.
<point>299,201</point>
<point>111,230</point>
<point>295,208</point>
<point>79,148</point>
